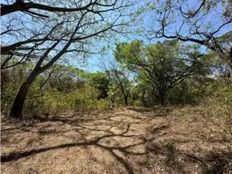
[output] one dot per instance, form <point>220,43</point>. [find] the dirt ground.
<point>125,140</point>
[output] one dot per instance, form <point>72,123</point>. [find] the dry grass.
<point>126,140</point>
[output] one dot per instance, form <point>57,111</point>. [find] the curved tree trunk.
<point>17,108</point>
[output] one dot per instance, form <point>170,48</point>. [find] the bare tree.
<point>44,40</point>
<point>207,23</point>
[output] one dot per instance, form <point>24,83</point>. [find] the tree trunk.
<point>162,100</point>
<point>6,9</point>
<point>126,100</point>
<point>143,98</point>
<point>124,93</point>
<point>17,108</point>
<point>162,97</point>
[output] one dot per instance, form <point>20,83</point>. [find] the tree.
<point>205,22</point>
<point>26,7</point>
<point>142,92</point>
<point>161,65</point>
<point>119,80</point>
<point>43,40</point>
<point>63,78</point>
<point>101,82</point>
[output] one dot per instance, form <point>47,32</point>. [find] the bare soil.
<point>125,140</point>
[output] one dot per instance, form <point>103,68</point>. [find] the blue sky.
<point>146,20</point>
<point>149,21</point>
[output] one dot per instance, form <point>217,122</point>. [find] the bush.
<point>8,94</point>
<point>220,102</point>
<point>51,100</point>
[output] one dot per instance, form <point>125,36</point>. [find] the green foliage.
<point>65,90</point>
<point>155,65</point>
<point>219,103</point>
<point>190,91</point>
<point>129,54</point>
<point>8,94</point>
<point>101,82</point>
<point>120,84</point>
<point>161,66</point>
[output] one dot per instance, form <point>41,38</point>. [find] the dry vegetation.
<point>146,87</point>
<point>125,140</point>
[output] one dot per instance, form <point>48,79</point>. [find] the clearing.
<point>118,141</point>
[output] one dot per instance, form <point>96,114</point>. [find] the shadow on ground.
<point>120,141</point>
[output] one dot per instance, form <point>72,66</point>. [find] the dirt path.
<point>134,141</point>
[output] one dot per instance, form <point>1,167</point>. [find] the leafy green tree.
<point>101,82</point>
<point>161,65</point>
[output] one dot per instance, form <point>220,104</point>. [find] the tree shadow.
<point>141,109</point>
<point>211,163</point>
<point>219,163</point>
<point>96,142</point>
<point>158,110</point>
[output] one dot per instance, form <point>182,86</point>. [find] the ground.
<point>118,141</point>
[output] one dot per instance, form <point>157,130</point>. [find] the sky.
<point>147,20</point>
